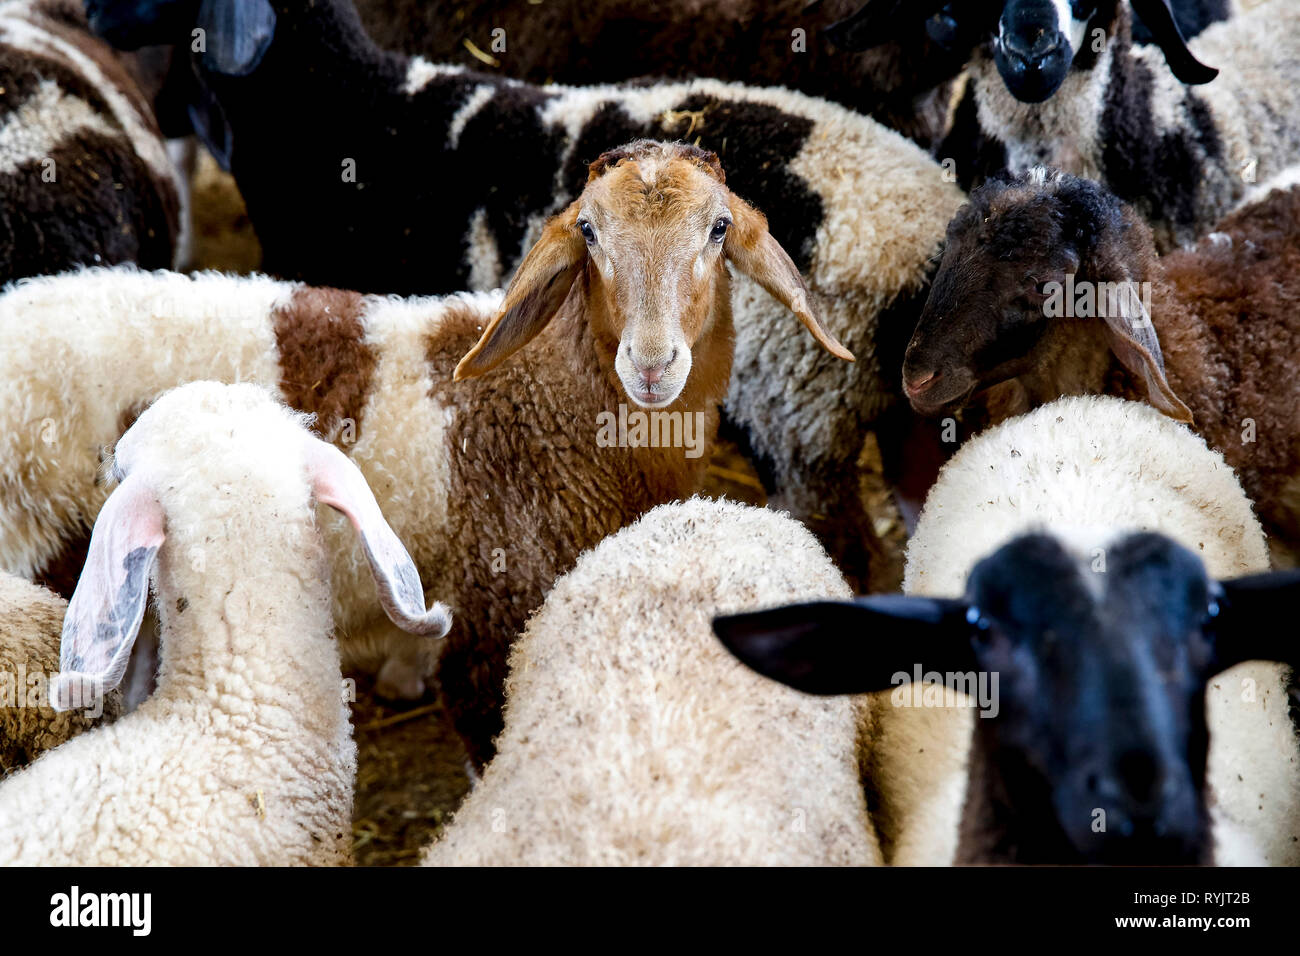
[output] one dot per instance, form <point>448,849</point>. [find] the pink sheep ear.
<point>337,482</point>
<point>108,604</point>
<point>1133,339</point>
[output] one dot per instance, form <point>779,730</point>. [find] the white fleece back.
<point>633,737</point>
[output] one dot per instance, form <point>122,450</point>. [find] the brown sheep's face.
<point>655,227</point>
<point>652,234</point>
<point>985,317</point>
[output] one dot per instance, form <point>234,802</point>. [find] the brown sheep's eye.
<point>719,231</point>
<point>587,232</point>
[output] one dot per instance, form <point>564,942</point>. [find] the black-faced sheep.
<point>1076,576</point>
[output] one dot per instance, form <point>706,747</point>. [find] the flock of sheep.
<point>1045,254</point>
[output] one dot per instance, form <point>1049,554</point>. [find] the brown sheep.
<point>1209,335</point>
<point>488,428</point>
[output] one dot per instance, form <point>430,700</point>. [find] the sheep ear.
<point>752,250</point>
<point>1159,19</point>
<point>1133,339</point>
<point>236,33</point>
<point>1251,626</point>
<point>337,482</point>
<point>850,647</point>
<point>108,604</point>
<point>535,294</point>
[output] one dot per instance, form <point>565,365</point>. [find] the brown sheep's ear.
<point>1133,339</point>
<point>752,250</point>
<point>537,291</point>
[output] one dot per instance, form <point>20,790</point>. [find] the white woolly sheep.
<point>244,755</point>
<point>84,175</point>
<point>31,619</point>
<point>414,177</point>
<point>631,737</point>
<point>1098,521</point>
<point>496,484</point>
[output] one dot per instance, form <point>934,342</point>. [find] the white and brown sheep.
<point>496,478</point>
<point>244,755</point>
<point>391,174</point>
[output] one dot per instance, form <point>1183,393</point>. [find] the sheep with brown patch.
<point>496,463</point>
<point>84,174</point>
<point>410,177</point>
<point>1051,286</point>
<point>631,738</point>
<point>31,619</point>
<point>244,755</point>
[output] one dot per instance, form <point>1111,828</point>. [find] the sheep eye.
<point>587,232</point>
<point>719,230</point>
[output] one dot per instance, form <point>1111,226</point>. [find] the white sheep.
<point>244,755</point>
<point>632,738</point>
<point>1035,561</point>
<point>496,463</point>
<point>31,619</point>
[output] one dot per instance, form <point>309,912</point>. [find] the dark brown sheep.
<point>1209,335</point>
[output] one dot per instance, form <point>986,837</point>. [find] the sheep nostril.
<point>650,374</point>
<point>1032,50</point>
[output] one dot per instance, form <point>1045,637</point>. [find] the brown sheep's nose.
<point>650,374</point>
<point>914,385</point>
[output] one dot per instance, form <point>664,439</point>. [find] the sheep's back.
<point>633,737</point>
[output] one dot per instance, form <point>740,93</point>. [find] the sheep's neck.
<point>590,345</point>
<point>263,636</point>
<point>1007,816</point>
